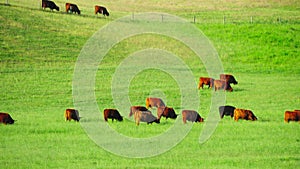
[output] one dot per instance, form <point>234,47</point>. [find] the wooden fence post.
<point>251,19</point>
<point>132,16</point>
<point>194,19</point>
<point>224,19</point>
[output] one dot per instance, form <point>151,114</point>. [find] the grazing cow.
<point>72,8</point>
<point>49,4</point>
<point>136,108</point>
<point>112,114</point>
<point>191,115</point>
<point>222,84</point>
<point>154,102</point>
<point>228,78</point>
<point>145,116</point>
<point>101,10</point>
<point>167,112</point>
<point>292,116</point>
<point>206,81</point>
<point>72,114</point>
<point>244,114</point>
<point>226,111</point>
<point>5,118</point>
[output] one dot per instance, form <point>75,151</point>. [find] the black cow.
<point>226,111</point>
<point>167,112</point>
<point>5,118</point>
<point>72,8</point>
<point>112,114</point>
<point>49,4</point>
<point>101,10</point>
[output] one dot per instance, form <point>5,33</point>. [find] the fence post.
<point>132,16</point>
<point>194,19</point>
<point>162,18</point>
<point>224,19</point>
<point>251,19</point>
<point>7,3</point>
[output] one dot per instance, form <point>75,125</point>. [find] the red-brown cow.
<point>154,102</point>
<point>5,118</point>
<point>206,81</point>
<point>228,78</point>
<point>222,85</point>
<point>72,114</point>
<point>136,108</point>
<point>112,114</point>
<point>101,10</point>
<point>72,8</point>
<point>145,116</point>
<point>49,4</point>
<point>292,116</point>
<point>167,112</point>
<point>244,114</point>
<point>191,115</point>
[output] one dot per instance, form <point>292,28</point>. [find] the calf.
<point>136,108</point>
<point>49,4</point>
<point>72,8</point>
<point>145,116</point>
<point>206,81</point>
<point>244,114</point>
<point>292,116</point>
<point>5,118</point>
<point>191,115</point>
<point>228,78</point>
<point>72,114</point>
<point>154,102</point>
<point>226,111</point>
<point>101,10</point>
<point>222,85</point>
<point>167,112</point>
<point>112,114</point>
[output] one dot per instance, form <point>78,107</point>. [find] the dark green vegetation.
<point>38,53</point>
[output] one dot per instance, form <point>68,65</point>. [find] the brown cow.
<point>136,108</point>
<point>191,115</point>
<point>72,114</point>
<point>145,116</point>
<point>112,114</point>
<point>222,85</point>
<point>101,10</point>
<point>167,112</point>
<point>292,116</point>
<point>72,8</point>
<point>5,118</point>
<point>154,102</point>
<point>228,78</point>
<point>244,114</point>
<point>206,81</point>
<point>49,4</point>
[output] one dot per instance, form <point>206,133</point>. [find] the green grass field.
<point>39,50</point>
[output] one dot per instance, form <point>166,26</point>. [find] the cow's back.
<point>154,102</point>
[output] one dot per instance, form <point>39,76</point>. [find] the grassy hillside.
<point>39,50</point>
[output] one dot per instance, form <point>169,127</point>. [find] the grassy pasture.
<point>39,49</point>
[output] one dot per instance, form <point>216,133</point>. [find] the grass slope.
<point>38,52</point>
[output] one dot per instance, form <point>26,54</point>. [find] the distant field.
<point>39,50</point>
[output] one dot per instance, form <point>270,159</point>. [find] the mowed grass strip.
<point>38,55</point>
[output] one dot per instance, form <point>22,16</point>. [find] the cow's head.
<point>120,118</point>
